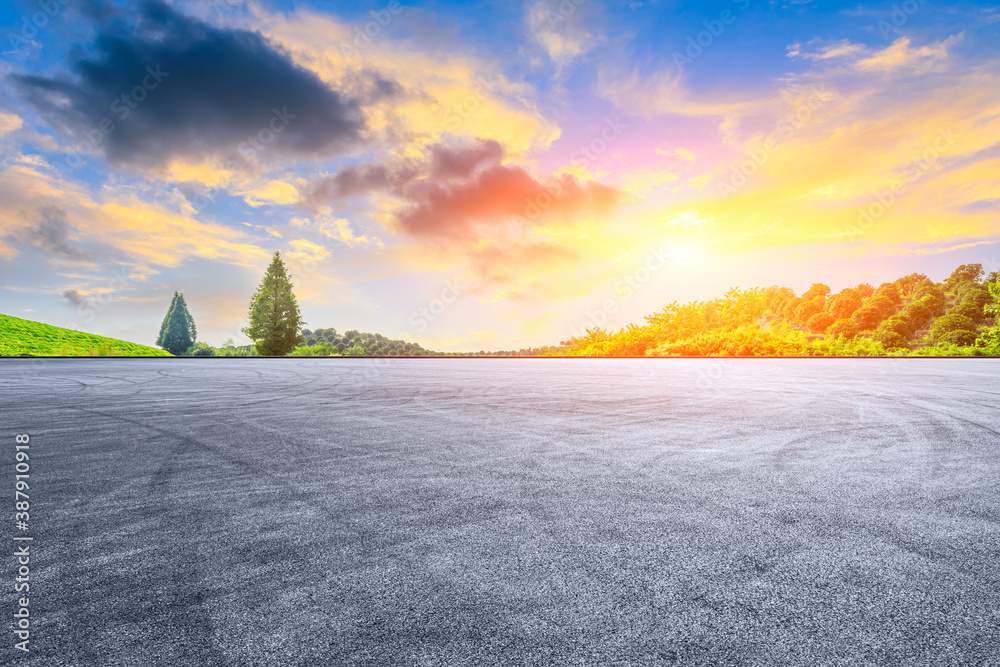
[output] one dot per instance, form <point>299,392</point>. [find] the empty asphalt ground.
<point>235,512</point>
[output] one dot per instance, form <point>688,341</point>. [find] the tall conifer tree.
<point>275,320</point>
<point>178,332</point>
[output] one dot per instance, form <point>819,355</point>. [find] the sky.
<point>485,175</point>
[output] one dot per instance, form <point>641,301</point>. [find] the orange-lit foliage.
<point>862,320</point>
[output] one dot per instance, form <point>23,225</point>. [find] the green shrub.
<point>890,340</point>
<point>843,328</point>
<point>949,323</point>
<point>962,337</point>
<point>323,349</point>
<point>988,342</point>
<point>873,311</point>
<point>200,350</point>
<point>843,347</point>
<point>900,325</point>
<point>918,313</point>
<point>936,305</point>
<point>969,310</point>
<point>946,350</point>
<point>928,288</point>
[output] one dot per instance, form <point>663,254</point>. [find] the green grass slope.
<point>19,336</point>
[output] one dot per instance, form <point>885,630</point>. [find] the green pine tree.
<point>178,332</point>
<point>275,320</point>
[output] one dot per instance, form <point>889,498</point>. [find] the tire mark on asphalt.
<point>924,408</point>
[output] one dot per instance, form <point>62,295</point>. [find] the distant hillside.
<point>910,316</point>
<point>19,337</point>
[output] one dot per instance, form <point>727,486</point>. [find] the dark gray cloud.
<point>171,85</point>
<point>461,162</point>
<point>444,163</point>
<point>50,234</point>
<point>355,180</point>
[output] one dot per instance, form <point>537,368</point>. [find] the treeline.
<point>910,316</point>
<point>353,343</point>
<point>328,343</point>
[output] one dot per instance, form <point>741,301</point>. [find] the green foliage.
<point>907,284</point>
<point>889,339</point>
<point>932,295</point>
<point>988,342</point>
<point>873,311</point>
<point>356,351</point>
<point>965,273</point>
<point>936,305</point>
<point>843,328</point>
<point>950,323</point>
<point>178,332</point>
<point>978,299</point>
<point>918,313</point>
<point>946,350</point>
<point>994,290</point>
<point>970,310</point>
<point>327,342</point>
<point>774,321</point>
<point>745,341</point>
<point>900,325</point>
<point>843,347</point>
<point>321,349</point>
<point>960,337</point>
<point>200,350</point>
<point>230,350</point>
<point>274,313</point>
<point>19,337</point>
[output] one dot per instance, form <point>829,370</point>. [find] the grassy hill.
<point>19,336</point>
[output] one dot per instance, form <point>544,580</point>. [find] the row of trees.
<point>275,326</point>
<point>327,342</point>
<point>274,321</point>
<point>912,315</point>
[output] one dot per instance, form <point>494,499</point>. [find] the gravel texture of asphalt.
<point>453,512</point>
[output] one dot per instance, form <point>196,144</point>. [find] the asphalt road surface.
<point>235,512</point>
